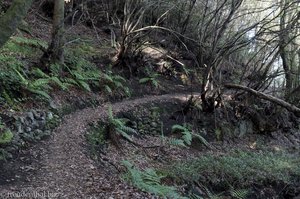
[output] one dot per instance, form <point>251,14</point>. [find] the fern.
<point>114,83</point>
<point>239,193</point>
<point>186,138</point>
<point>39,73</point>
<point>152,79</point>
<point>39,86</point>
<point>40,93</point>
<point>108,89</point>
<point>149,181</point>
<point>202,140</point>
<point>119,125</point>
<point>177,127</point>
<point>110,114</point>
<point>124,134</point>
<point>84,85</point>
<point>62,85</point>
<point>187,135</point>
<point>177,142</point>
<point>9,100</point>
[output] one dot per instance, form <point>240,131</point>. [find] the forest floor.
<point>61,167</point>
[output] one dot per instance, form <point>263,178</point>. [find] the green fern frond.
<point>108,89</point>
<point>84,85</point>
<point>177,142</point>
<point>107,77</point>
<point>71,81</point>
<point>187,137</point>
<point>22,78</point>
<point>59,83</point>
<point>40,83</point>
<point>178,127</point>
<point>144,80</point>
<point>117,123</point>
<point>119,78</point>
<point>150,181</point>
<point>239,193</point>
<point>128,129</point>
<point>110,113</point>
<point>202,140</point>
<point>118,84</point>
<point>124,134</point>
<point>155,83</point>
<point>7,96</point>
<point>39,73</point>
<point>40,93</point>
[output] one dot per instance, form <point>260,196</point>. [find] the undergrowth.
<point>22,81</point>
<point>238,168</point>
<point>150,181</point>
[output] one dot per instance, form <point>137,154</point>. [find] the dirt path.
<point>67,171</point>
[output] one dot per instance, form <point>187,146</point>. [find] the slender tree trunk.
<point>10,21</point>
<point>55,52</point>
<point>287,47</point>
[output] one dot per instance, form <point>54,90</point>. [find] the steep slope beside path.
<point>67,171</point>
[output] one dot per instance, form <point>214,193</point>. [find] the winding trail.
<point>67,171</point>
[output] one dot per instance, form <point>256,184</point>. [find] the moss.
<point>6,137</point>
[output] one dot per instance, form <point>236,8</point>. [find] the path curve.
<point>67,171</point>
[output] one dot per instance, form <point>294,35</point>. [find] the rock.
<point>35,114</point>
<point>153,131</point>
<point>42,124</point>
<point>154,124</point>
<point>19,127</point>
<point>142,131</point>
<point>38,132</point>
<point>35,125</point>
<point>21,119</point>
<point>50,116</point>
<point>47,132</point>
<point>53,105</point>
<point>28,129</point>
<point>30,116</point>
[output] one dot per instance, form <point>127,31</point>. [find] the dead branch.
<point>290,107</point>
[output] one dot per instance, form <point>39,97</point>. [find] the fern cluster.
<point>119,125</point>
<point>149,181</point>
<point>24,47</point>
<point>187,136</point>
<point>18,81</point>
<point>151,79</point>
<point>114,83</point>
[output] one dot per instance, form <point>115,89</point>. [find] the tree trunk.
<point>55,51</point>
<point>10,21</point>
<point>288,48</point>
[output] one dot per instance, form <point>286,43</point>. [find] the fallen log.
<point>290,107</point>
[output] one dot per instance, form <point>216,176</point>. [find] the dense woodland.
<point>150,99</point>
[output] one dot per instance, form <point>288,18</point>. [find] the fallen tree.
<point>290,107</point>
